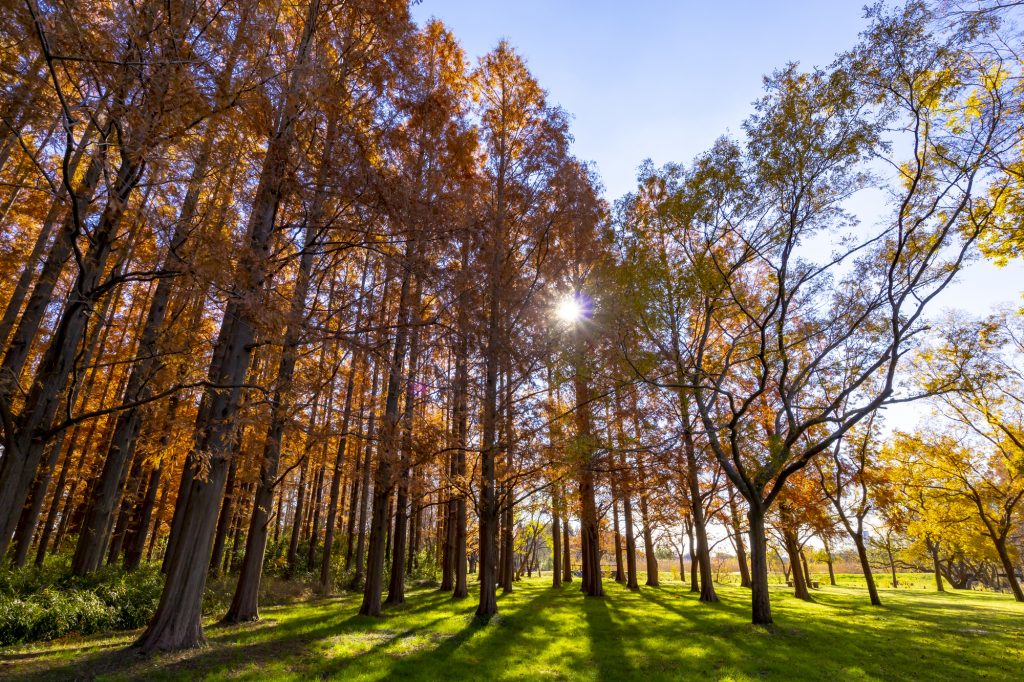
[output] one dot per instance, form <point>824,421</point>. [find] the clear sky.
<point>661,80</point>
<point>652,79</point>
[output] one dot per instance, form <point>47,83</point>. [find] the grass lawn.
<point>542,633</point>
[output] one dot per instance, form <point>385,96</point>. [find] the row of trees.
<point>300,276</point>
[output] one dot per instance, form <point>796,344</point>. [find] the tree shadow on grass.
<point>266,641</point>
<point>606,637</point>
<point>471,649</point>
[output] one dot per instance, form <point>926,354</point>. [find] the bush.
<point>47,603</point>
<point>49,614</point>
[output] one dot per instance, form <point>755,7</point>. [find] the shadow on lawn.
<point>468,651</point>
<point>606,638</point>
<point>267,640</point>
<point>651,634</point>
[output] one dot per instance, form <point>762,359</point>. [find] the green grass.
<point>544,633</point>
<point>883,579</point>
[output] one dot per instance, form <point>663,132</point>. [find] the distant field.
<point>543,633</point>
<point>907,581</point>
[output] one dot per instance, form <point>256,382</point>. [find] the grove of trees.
<point>298,288</point>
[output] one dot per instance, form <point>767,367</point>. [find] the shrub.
<point>47,603</point>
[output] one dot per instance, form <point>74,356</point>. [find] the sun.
<point>569,309</point>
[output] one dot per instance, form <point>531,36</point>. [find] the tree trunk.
<point>627,509</point>
<point>396,586</point>
<point>354,495</point>
<point>793,550</point>
<point>694,563</point>
<point>136,540</point>
<point>51,515</point>
<point>892,562</point>
<point>1011,575</point>
<point>224,518</point>
<point>318,497</point>
<point>31,512</point>
<point>336,478</point>
<point>488,605</point>
<point>865,565</point>
<point>589,531</point>
<point>127,504</point>
<point>650,559</point>
<point>933,549</point>
<point>707,587</point>
<point>507,573</point>
<point>357,578</point>
<point>807,568</point>
<point>245,602</point>
<point>461,417</point>
<point>389,455</point>
<point>620,572</point>
<point>761,609</point>
<point>448,530</point>
<point>741,550</point>
<point>556,542</point>
<point>566,550</point>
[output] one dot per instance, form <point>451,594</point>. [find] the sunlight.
<point>569,309</point>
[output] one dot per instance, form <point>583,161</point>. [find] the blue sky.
<point>650,79</point>
<point>662,80</point>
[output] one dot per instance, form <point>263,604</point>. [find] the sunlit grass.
<point>545,633</point>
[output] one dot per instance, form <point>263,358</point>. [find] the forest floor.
<point>543,633</point>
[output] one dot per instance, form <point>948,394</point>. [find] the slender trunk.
<point>933,549</point>
<point>154,532</point>
<point>415,524</point>
<point>353,500</point>
<point>396,585</point>
<point>707,587</point>
<point>1008,569</point>
<point>389,455</point>
<point>627,509</point>
<point>741,550</point>
<point>865,566</point>
<point>31,512</point>
<point>682,564</point>
<point>336,478</point>
<point>566,549</point>
<point>649,557</point>
<point>488,605</point>
<point>51,515</point>
<point>317,504</point>
<point>461,417</point>
<point>364,502</point>
<point>892,562</point>
<point>508,544</point>
<point>448,529</point>
<point>793,550</point>
<point>620,573</point>
<point>807,568</point>
<point>556,542</point>
<point>136,541</point>
<point>127,504</point>
<point>760,601</point>
<point>224,519</point>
